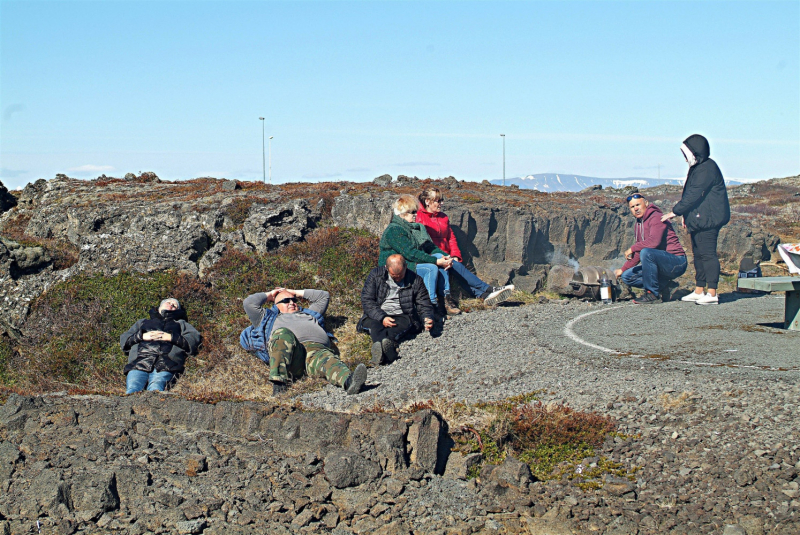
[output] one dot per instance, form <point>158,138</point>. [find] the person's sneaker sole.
<point>377,354</point>
<point>497,299</point>
<point>357,380</point>
<point>707,302</point>
<point>389,350</point>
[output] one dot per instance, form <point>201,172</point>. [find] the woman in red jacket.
<point>437,224</point>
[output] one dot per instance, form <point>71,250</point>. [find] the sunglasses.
<point>286,301</point>
<point>634,196</point>
<point>412,212</point>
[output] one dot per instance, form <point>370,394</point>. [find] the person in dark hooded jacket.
<point>157,348</point>
<point>705,210</point>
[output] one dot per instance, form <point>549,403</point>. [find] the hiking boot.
<point>356,380</point>
<point>377,353</point>
<point>451,307</point>
<point>389,350</point>
<point>279,388</point>
<point>667,290</point>
<point>707,299</point>
<point>649,298</point>
<point>693,297</point>
<point>497,295</point>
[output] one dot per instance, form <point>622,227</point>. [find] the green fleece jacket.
<point>410,240</point>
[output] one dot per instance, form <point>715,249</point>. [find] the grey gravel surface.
<point>713,445</point>
<point>511,350</point>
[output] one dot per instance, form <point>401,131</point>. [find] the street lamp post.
<point>263,163</point>
<point>504,158</point>
<point>270,159</point>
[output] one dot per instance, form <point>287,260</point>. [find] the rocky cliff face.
<point>513,237</point>
<point>158,463</point>
<point>142,224</point>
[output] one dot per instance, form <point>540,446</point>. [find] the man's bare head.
<point>396,265</point>
<point>289,304</point>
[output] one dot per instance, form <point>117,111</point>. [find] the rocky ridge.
<point>141,224</point>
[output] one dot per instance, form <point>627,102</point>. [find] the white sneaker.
<point>498,295</point>
<point>707,299</point>
<point>693,297</point>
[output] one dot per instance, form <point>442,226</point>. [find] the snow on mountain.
<point>549,182</point>
<point>564,182</point>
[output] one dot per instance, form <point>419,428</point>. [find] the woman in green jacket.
<point>408,238</point>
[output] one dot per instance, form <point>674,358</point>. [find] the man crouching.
<point>293,340</point>
<point>395,304</point>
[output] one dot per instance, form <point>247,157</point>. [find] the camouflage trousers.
<point>290,360</point>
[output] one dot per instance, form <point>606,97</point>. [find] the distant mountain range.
<point>562,182</point>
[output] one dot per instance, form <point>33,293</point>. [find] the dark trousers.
<point>378,332</point>
<point>706,261</point>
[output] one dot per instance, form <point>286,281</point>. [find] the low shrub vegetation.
<point>552,439</point>
<point>72,334</point>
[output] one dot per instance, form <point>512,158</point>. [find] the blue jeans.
<point>429,274</point>
<point>655,269</point>
<point>137,380</point>
<point>476,285</point>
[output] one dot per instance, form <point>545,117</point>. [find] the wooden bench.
<point>790,285</point>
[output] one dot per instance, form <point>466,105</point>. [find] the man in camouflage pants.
<point>298,343</point>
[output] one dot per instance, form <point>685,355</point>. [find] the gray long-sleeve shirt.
<point>304,327</point>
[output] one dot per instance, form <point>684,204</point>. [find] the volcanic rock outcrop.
<point>143,224</point>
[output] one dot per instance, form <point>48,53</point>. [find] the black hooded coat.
<point>704,203</point>
<point>149,355</point>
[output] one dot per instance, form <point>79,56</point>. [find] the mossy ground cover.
<point>554,440</point>
<point>72,334</point>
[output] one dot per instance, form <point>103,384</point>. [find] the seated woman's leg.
<point>157,381</point>
<point>136,381</point>
<point>429,274</point>
<point>443,280</point>
<point>476,285</point>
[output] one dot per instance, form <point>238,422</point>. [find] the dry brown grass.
<point>671,402</point>
<point>518,298</point>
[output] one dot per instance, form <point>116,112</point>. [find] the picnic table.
<point>790,285</point>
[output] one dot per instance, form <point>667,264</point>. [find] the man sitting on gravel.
<point>656,258</point>
<point>396,304</point>
<point>293,340</point>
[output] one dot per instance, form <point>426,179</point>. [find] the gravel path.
<point>494,354</point>
<point>711,394</point>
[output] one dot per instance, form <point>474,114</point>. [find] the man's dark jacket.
<point>149,355</point>
<point>704,204</point>
<point>414,299</point>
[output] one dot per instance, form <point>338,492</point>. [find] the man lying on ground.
<point>396,304</point>
<point>293,340</point>
<point>157,347</point>
<point>656,258</point>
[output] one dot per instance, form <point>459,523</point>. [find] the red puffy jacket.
<point>438,227</point>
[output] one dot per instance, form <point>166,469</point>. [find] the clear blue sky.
<point>354,90</point>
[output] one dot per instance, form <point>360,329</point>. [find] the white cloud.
<point>89,168</point>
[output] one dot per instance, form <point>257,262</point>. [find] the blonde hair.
<point>404,204</point>
<point>431,193</point>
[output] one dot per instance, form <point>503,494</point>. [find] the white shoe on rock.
<point>693,297</point>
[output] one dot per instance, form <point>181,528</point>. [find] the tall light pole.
<point>263,163</point>
<point>504,158</point>
<point>270,159</point>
